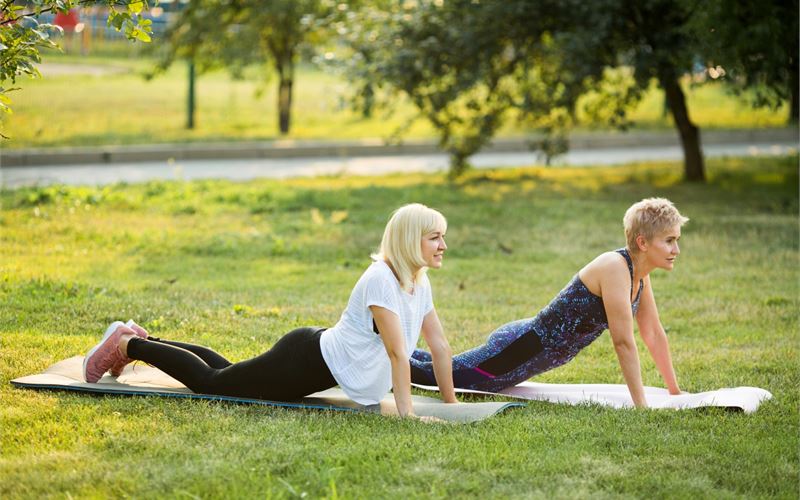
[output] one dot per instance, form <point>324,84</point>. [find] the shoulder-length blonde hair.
<point>401,245</point>
<point>649,218</point>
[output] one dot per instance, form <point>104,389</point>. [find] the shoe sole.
<point>109,331</point>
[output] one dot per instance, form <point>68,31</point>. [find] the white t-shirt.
<point>354,353</point>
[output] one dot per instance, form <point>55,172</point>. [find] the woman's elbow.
<point>397,356</point>
<point>624,345</point>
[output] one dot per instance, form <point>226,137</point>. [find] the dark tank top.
<point>576,316</point>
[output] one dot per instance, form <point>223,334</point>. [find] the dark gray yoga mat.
<point>142,380</point>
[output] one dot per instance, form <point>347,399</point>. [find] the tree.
<point>753,45</point>
<point>665,39</point>
<point>248,32</point>
<point>467,65</point>
<point>22,37</point>
<point>655,35</point>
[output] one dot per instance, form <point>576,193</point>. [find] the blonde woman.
<point>366,353</point>
<point>608,293</point>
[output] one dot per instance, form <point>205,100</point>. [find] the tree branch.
<point>6,5</point>
<point>49,9</point>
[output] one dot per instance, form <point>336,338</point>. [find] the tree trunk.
<point>190,97</point>
<point>284,65</point>
<point>284,104</point>
<point>793,111</point>
<point>458,164</point>
<point>694,170</point>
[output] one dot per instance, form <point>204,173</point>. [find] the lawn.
<point>235,265</point>
<point>121,107</point>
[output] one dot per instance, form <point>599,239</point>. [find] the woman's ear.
<point>641,242</point>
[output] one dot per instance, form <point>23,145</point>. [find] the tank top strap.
<point>624,253</point>
<point>629,260</point>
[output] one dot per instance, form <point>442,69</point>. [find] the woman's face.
<point>433,247</point>
<point>663,248</point>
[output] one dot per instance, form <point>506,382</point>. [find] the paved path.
<point>243,169</point>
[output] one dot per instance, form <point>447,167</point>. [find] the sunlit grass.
<point>121,107</point>
<point>235,265</point>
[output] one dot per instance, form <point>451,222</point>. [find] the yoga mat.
<point>143,380</point>
<point>746,399</point>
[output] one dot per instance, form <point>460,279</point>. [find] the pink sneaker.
<point>106,353</point>
<point>136,328</point>
<point>116,370</point>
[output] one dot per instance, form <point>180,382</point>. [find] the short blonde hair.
<point>648,218</point>
<point>401,245</point>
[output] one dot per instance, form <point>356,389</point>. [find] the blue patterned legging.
<point>511,354</point>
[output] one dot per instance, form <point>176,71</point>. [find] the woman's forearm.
<point>443,370</point>
<point>658,345</point>
<point>401,385</point>
<point>628,357</point>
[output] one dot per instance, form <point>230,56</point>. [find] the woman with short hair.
<point>609,292</point>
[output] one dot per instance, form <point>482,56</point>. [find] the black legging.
<point>291,369</point>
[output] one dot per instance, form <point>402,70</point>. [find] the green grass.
<point>235,265</point>
<point>123,108</point>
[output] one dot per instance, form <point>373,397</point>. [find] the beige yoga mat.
<point>143,380</point>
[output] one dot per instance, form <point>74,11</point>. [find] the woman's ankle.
<point>123,343</point>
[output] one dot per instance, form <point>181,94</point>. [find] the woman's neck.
<point>641,268</point>
<point>397,276</point>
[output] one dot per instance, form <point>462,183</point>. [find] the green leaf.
<point>141,35</point>
<point>136,7</point>
<point>117,20</point>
